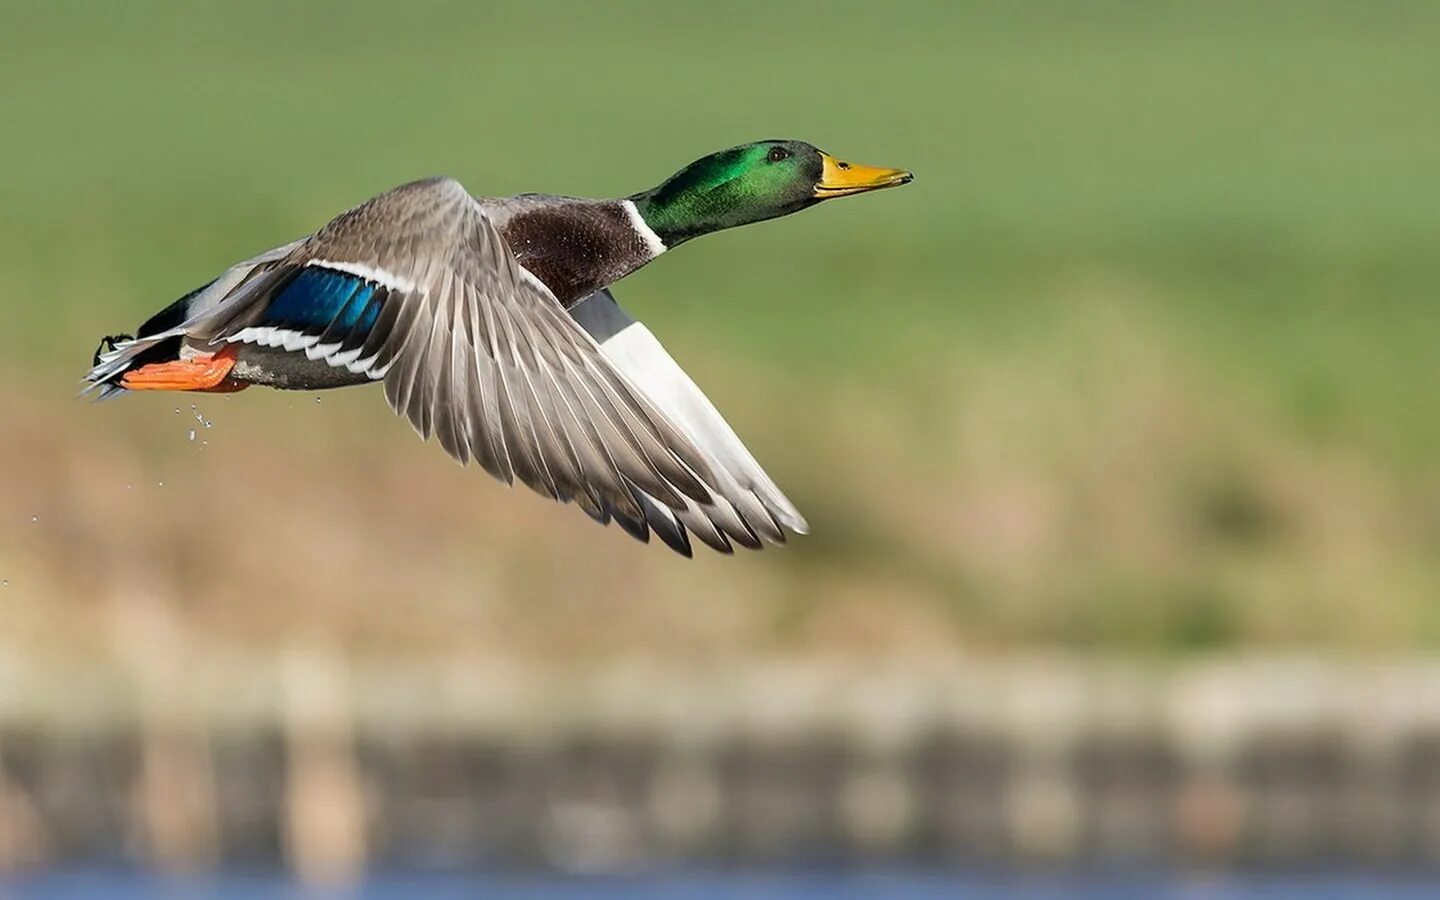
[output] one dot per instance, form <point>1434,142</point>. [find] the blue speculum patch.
<point>318,297</point>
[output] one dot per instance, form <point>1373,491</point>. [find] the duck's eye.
<point>778,154</point>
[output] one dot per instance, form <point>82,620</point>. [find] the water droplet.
<point>129,487</point>
<point>177,410</point>
<point>317,399</point>
<point>4,582</point>
<point>34,518</point>
<point>204,443</point>
<point>162,484</point>
<point>192,434</point>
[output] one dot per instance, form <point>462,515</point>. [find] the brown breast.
<point>577,247</point>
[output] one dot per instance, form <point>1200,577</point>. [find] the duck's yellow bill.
<point>840,178</point>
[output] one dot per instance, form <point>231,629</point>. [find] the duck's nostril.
<point>843,165</point>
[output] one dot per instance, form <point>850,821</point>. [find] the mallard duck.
<point>491,323</point>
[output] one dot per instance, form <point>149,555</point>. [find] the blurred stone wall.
<point>329,768</point>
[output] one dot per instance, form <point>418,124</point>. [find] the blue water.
<point>107,885</point>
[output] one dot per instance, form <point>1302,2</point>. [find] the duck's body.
<point>490,323</point>
<point>573,246</point>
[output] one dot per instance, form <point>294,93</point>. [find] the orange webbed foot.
<point>202,373</point>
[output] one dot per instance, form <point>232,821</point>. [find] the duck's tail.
<point>157,340</point>
<point>98,380</point>
<point>160,338</point>
<point>120,353</point>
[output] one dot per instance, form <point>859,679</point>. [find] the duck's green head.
<point>751,183</point>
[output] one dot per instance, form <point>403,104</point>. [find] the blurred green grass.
<point>1241,194</point>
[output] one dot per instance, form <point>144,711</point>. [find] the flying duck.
<point>491,323</point>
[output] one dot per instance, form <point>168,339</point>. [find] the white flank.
<point>370,273</point>
<point>647,234</point>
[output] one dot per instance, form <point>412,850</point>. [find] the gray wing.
<point>476,351</point>
<point>747,504</point>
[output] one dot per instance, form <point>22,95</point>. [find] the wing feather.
<point>749,505</point>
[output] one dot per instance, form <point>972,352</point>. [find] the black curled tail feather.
<point>119,353</point>
<point>108,344</point>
